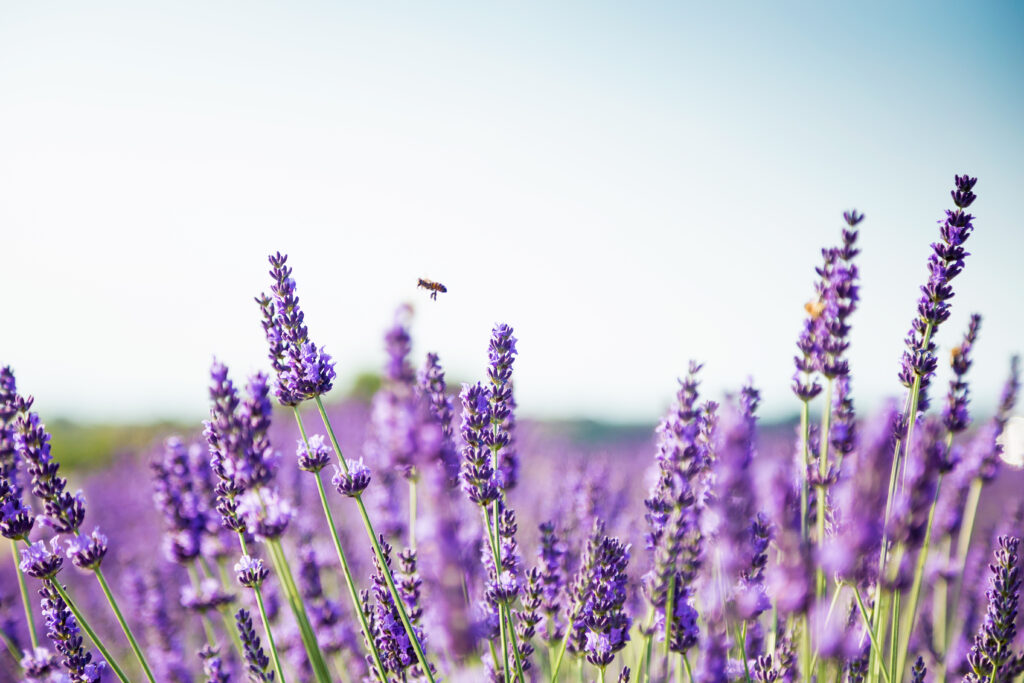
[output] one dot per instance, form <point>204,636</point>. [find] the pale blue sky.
<point>628,184</point>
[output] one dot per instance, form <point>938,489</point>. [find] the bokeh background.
<point>628,185</point>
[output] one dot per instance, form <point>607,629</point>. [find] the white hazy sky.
<point>628,184</point>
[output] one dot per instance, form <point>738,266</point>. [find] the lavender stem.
<point>124,625</point>
<point>867,625</point>
<point>399,602</point>
<point>284,574</point>
<point>357,604</point>
<point>88,629</point>
<point>29,623</point>
<point>263,615</point>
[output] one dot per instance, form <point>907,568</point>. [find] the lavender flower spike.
<point>954,415</point>
<point>41,562</point>
<point>257,662</point>
<point>65,633</point>
<point>303,371</point>
<point>945,263</point>
<point>990,657</point>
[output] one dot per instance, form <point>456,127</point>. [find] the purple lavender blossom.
<point>600,627</point>
<point>250,572</point>
<point>434,389</point>
<point>501,354</point>
<point>86,552</point>
<point>954,414</point>
<point>405,437</point>
<point>851,550</point>
<point>16,519</point>
<point>266,514</point>
<point>478,477</point>
<point>551,564</point>
<point>42,562</point>
<point>918,672</point>
<point>38,664</point>
<point>256,662</point>
<point>205,596</point>
<point>990,657</point>
<point>241,455</point>
<point>63,630</point>
<point>303,371</point>
<point>397,652</point>
<point>175,495</point>
<point>63,512</point>
<point>353,482</point>
<point>165,651</point>
<point>315,457</point>
<point>213,665</point>
<point>945,263</point>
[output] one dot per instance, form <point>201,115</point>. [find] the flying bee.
<point>434,287</point>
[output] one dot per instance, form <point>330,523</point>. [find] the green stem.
<point>963,544</point>
<point>871,631</point>
<point>80,618</point>
<point>915,590</point>
<point>263,615</point>
<point>284,574</point>
<point>395,596</point>
<point>805,431</point>
<point>517,657</point>
<point>826,422</point>
<point>124,625</point>
<point>743,651</point>
<point>29,621</point>
<point>270,636</point>
<point>565,642</point>
<point>353,592</point>
<point>12,648</point>
<point>670,609</point>
<point>686,663</point>
<point>828,620</point>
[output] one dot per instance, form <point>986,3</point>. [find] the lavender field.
<point>428,535</point>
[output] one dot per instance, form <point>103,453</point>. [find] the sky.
<point>629,185</point>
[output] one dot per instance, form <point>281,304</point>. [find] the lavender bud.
<point>265,513</point>
<point>353,482</point>
<point>38,664</point>
<point>86,552</point>
<point>316,457</point>
<point>41,562</point>
<point>250,572</point>
<point>16,519</point>
<point>213,666</point>
<point>206,596</point>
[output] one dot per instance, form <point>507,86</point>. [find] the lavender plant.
<point>854,552</point>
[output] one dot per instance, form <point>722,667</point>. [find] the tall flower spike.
<point>241,455</point>
<point>990,657</point>
<point>945,263</point>
<point>63,512</point>
<point>257,663</point>
<point>478,477</point>
<point>65,633</point>
<point>955,415</point>
<point>551,563</point>
<point>501,354</point>
<point>303,370</point>
<point>434,388</point>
